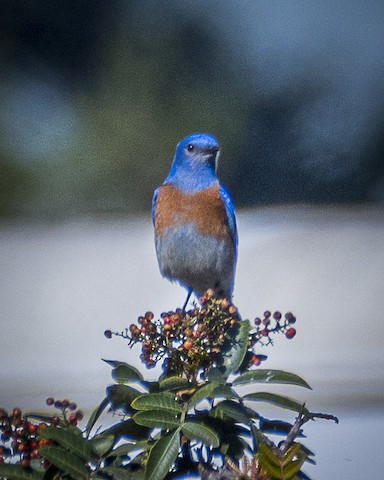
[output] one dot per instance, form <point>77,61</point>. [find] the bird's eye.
<point>190,147</point>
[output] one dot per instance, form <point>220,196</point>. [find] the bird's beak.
<point>212,150</point>
<point>212,153</point>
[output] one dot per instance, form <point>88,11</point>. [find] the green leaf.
<point>269,462</point>
<point>224,391</point>
<point>161,401</point>
<point>269,454</point>
<point>17,472</point>
<point>102,444</point>
<point>173,383</point>
<point>121,396</point>
<point>281,467</point>
<point>65,461</point>
<point>278,400</point>
<point>96,415</point>
<point>233,410</point>
<point>123,373</point>
<point>71,441</point>
<point>127,429</point>
<point>201,433</point>
<point>123,473</point>
<point>215,375</point>
<point>42,417</point>
<point>203,392</point>
<point>124,450</point>
<point>162,456</point>
<point>152,387</point>
<point>294,466</point>
<point>270,376</point>
<point>115,363</point>
<point>239,345</point>
<point>290,453</point>
<point>155,418</point>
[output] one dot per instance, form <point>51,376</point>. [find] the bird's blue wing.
<point>154,203</point>
<point>230,209</point>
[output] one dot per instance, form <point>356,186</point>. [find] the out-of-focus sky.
<point>95,95</point>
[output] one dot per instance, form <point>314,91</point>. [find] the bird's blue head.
<point>195,162</point>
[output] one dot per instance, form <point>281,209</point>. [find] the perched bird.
<point>194,221</point>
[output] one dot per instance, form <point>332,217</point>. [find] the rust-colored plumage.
<point>205,209</point>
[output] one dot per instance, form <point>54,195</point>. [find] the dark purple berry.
<point>108,334</point>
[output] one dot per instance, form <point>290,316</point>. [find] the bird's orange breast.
<point>204,209</point>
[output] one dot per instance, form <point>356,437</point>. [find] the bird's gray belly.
<point>195,260</point>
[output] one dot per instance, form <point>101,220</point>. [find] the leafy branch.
<point>192,419</point>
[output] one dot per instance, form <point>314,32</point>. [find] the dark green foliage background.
<point>137,77</point>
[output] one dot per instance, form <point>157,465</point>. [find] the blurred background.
<point>94,97</point>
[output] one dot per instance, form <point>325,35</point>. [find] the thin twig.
<point>295,431</point>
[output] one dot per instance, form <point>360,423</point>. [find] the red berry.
<point>72,419</point>
<point>255,360</point>
<point>55,420</point>
<point>290,317</point>
<point>290,333</point>
<point>21,447</point>
<point>32,428</point>
<point>225,303</point>
<point>267,314</point>
<point>257,321</point>
<point>20,432</point>
<point>41,427</point>
<point>264,332</point>
<point>35,453</point>
<point>72,406</point>
<point>50,401</point>
<point>209,293</point>
<point>25,462</point>
<point>277,315</point>
<point>188,345</point>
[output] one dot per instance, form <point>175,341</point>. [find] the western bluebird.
<point>194,220</point>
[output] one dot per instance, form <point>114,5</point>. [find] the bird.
<point>194,221</point>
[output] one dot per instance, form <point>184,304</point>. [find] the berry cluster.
<point>19,438</point>
<point>20,434</point>
<point>195,340</point>
<point>262,334</point>
<point>272,324</point>
<point>187,341</point>
<point>65,406</point>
